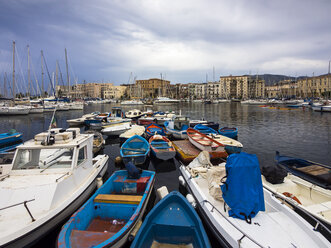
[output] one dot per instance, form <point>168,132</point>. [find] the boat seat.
<point>314,170</point>
<point>79,238</point>
<point>112,198</point>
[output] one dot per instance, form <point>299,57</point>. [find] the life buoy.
<point>287,194</point>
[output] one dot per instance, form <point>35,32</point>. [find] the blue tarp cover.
<point>243,190</point>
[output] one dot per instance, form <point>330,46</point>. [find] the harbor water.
<point>294,132</point>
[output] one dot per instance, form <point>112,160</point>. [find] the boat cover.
<point>243,190</point>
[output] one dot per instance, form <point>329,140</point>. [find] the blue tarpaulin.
<point>243,190</point>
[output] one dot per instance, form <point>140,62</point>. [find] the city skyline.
<point>185,41</point>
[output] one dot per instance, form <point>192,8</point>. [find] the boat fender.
<point>99,182</point>
<point>191,200</point>
<point>162,192</point>
<point>293,197</point>
<point>182,181</point>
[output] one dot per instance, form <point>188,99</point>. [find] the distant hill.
<point>271,79</point>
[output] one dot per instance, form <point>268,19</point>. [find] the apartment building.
<point>283,89</point>
<point>318,86</point>
<point>153,87</point>
<point>241,87</point>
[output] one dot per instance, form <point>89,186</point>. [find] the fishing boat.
<point>204,142</point>
<point>162,117</point>
<point>135,130</point>
<point>161,147</point>
<point>110,121</point>
<point>152,129</point>
<point>109,216</point>
<point>49,178</point>
<point>10,137</point>
<point>258,219</point>
<point>98,141</point>
<point>172,223</point>
<point>134,114</point>
<point>203,122</point>
<point>322,108</point>
<point>177,127</point>
<point>231,132</point>
<point>315,173</point>
<point>116,129</point>
<point>135,150</point>
<point>146,120</point>
<point>101,117</point>
<point>303,195</point>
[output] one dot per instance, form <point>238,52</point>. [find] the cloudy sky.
<point>182,39</point>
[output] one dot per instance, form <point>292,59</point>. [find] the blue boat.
<point>152,129</point>
<point>204,129</point>
<point>172,221</point>
<point>135,150</point>
<point>318,174</point>
<point>109,216</point>
<point>231,132</point>
<point>10,137</point>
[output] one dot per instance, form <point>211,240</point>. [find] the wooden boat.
<point>135,130</point>
<point>162,147</point>
<point>110,215</point>
<point>49,178</point>
<point>10,137</point>
<point>152,129</point>
<point>135,150</point>
<point>177,127</point>
<point>98,141</point>
<point>303,195</point>
<point>186,152</point>
<point>315,173</point>
<point>171,222</point>
<point>277,226</point>
<point>231,132</point>
<point>116,129</point>
<point>204,142</point>
<point>146,120</point>
<point>231,145</point>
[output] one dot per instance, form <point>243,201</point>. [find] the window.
<point>81,155</point>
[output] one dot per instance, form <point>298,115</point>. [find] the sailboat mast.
<point>14,71</point>
<point>29,79</point>
<point>68,79</point>
<point>57,78</point>
<point>329,80</point>
<point>42,74</point>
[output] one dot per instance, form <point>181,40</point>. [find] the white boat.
<point>3,110</point>
<point>231,145</point>
<point>49,108</point>
<point>178,126</point>
<point>303,195</point>
<point>80,121</point>
<point>134,114</point>
<point>165,100</point>
<point>49,178</point>
<point>76,106</point>
<point>321,108</point>
<point>132,102</point>
<point>116,129</point>
<point>36,109</point>
<point>62,107</point>
<point>18,110</point>
<point>135,130</point>
<point>277,226</point>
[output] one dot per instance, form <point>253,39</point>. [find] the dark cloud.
<point>106,40</point>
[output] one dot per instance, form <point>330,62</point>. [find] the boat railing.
<point>25,205</point>
<point>243,233</point>
<point>296,205</point>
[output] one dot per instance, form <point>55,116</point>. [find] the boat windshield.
<point>43,158</point>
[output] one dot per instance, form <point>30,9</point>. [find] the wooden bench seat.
<point>112,198</point>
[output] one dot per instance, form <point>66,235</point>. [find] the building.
<point>92,90</point>
<point>197,90</point>
<point>314,86</point>
<point>283,89</point>
<point>241,87</point>
<point>152,88</point>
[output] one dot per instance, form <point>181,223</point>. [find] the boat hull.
<point>36,234</point>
